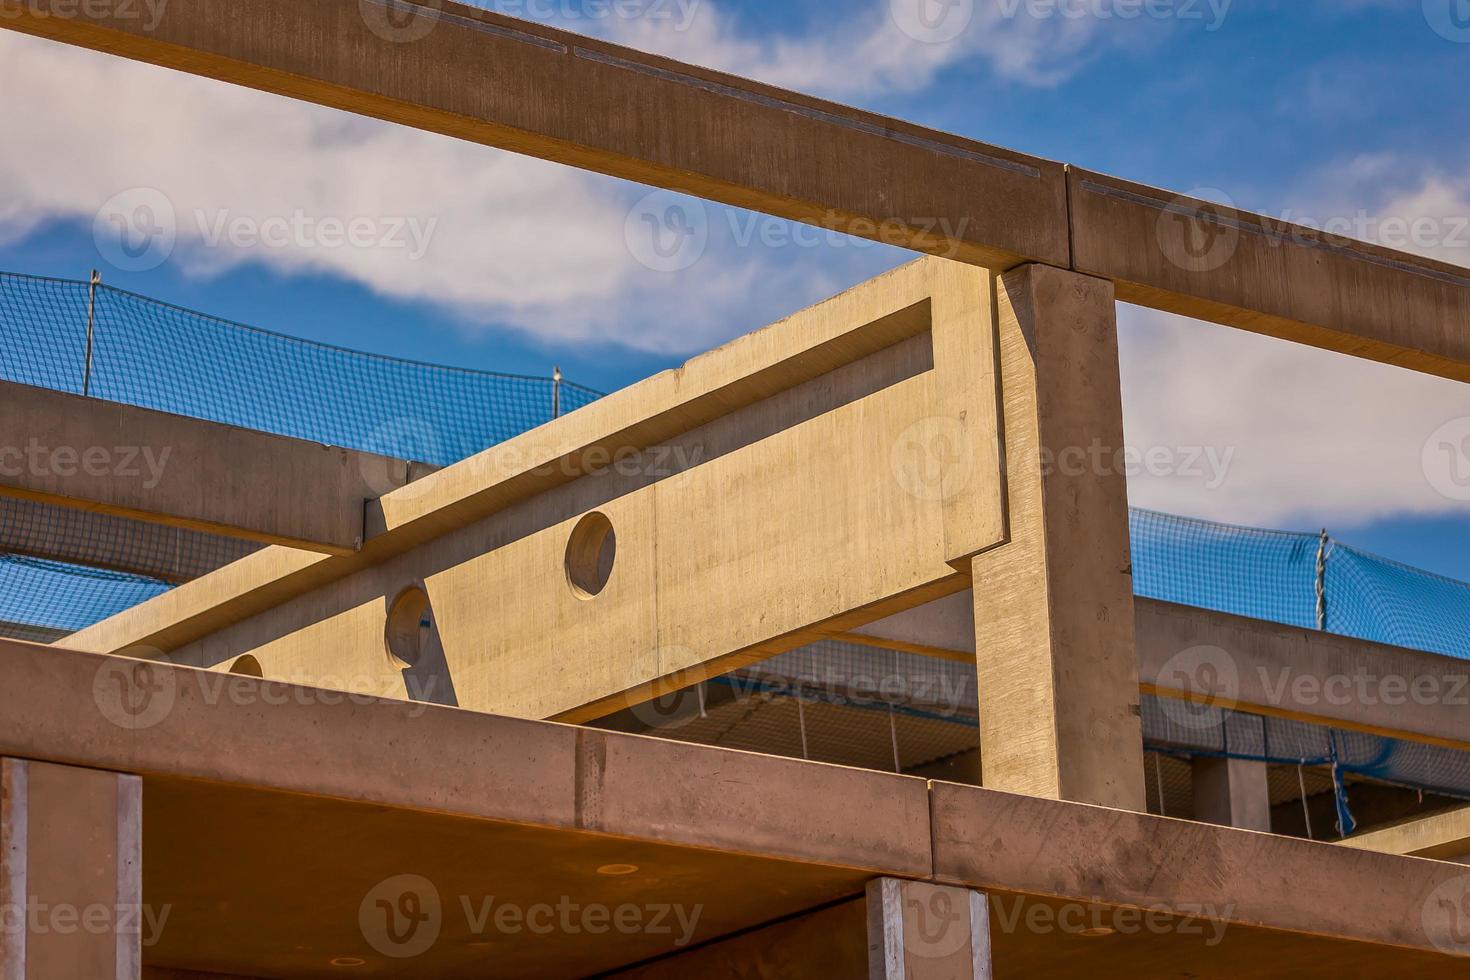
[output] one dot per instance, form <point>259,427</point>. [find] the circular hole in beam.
<point>247,666</point>
<point>591,551</point>
<point>409,621</point>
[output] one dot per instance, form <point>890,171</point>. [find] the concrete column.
<point>921,931</point>
<point>1054,633</point>
<point>71,885</point>
<point>1232,793</point>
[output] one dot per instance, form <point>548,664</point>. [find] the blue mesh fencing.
<point>65,598</point>
<point>163,357</point>
<point>1272,575</point>
<point>1374,598</point>
<point>1249,572</point>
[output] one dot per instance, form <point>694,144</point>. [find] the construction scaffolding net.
<point>1278,575</point>
<point>146,353</point>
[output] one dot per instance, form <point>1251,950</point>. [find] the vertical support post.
<point>922,931</point>
<point>1055,650</point>
<point>556,392</point>
<point>91,321</point>
<point>71,892</point>
<point>1232,793</point>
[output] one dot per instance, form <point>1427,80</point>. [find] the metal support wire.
<point>801,721</point>
<point>91,321</point>
<point>893,735</point>
<point>1301,781</point>
<point>1322,581</point>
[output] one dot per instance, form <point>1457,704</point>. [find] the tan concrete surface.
<point>1232,793</point>
<point>71,887</point>
<point>1272,277</point>
<point>918,930</point>
<point>132,462</point>
<point>1304,675</point>
<point>1058,677</point>
<point>337,794</point>
<point>989,840</point>
<point>877,315</point>
<point>1251,665</point>
<point>1442,836</point>
<point>799,494</point>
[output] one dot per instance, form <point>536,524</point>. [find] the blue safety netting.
<point>1272,575</point>
<point>54,596</point>
<point>158,356</point>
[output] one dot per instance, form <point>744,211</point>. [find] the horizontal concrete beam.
<point>479,76</point>
<point>1189,653</point>
<point>120,544</point>
<point>986,840</point>
<point>874,317</point>
<point>190,728</point>
<point>1305,675</point>
<point>458,70</point>
<point>152,718</point>
<point>1271,277</point>
<point>1443,836</point>
<point>125,461</point>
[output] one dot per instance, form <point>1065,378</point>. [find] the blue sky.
<point>1312,109</point>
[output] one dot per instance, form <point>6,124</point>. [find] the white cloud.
<point>1316,437</point>
<point>515,241</point>
<point>860,49</point>
<point>1310,436</point>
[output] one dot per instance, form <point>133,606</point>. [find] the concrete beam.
<point>462,71</point>
<point>1264,668</point>
<point>1232,793</point>
<point>205,737</point>
<point>1271,277</point>
<point>1058,677</point>
<point>1230,875</point>
<point>733,476</point>
<point>1305,675</point>
<point>1443,837</point>
<point>131,462</point>
<point>71,877</point>
<point>120,544</point>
